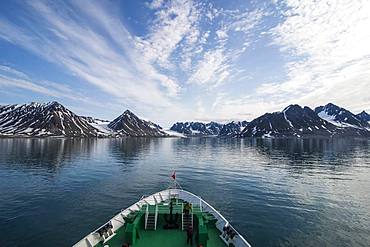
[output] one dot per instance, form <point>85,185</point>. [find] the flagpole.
<point>175,184</point>
<point>174,179</point>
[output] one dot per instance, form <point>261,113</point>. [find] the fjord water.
<point>282,192</point>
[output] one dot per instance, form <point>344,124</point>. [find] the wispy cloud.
<point>89,40</point>
<point>329,43</point>
<point>62,38</point>
<point>327,59</point>
<point>213,68</point>
<point>12,78</point>
<point>198,59</point>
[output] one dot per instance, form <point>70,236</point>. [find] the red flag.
<point>174,175</point>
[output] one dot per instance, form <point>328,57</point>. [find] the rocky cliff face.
<point>49,119</point>
<point>341,117</point>
<point>128,124</point>
<point>292,121</point>
<point>53,119</point>
<point>232,129</point>
<point>197,128</point>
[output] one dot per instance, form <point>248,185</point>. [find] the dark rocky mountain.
<point>232,129</point>
<point>299,122</point>
<point>128,124</point>
<point>340,116</point>
<point>53,119</point>
<point>214,128</point>
<point>92,120</point>
<point>197,128</point>
<point>292,121</point>
<point>364,116</point>
<point>49,119</point>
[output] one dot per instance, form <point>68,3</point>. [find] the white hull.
<point>118,221</point>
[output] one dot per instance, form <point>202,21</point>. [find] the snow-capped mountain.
<point>364,116</point>
<point>92,120</point>
<point>300,122</point>
<point>100,124</point>
<point>233,128</point>
<point>53,119</point>
<point>340,116</point>
<point>48,119</point>
<point>214,128</point>
<point>197,128</point>
<point>292,121</point>
<point>128,124</point>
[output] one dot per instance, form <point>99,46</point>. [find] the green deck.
<point>205,231</point>
<point>175,238</point>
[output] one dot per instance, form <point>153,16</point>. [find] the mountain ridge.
<point>128,124</point>
<point>233,128</point>
<point>53,119</point>
<point>297,121</point>
<point>340,116</point>
<point>197,128</point>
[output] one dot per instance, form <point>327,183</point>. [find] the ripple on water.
<point>286,192</point>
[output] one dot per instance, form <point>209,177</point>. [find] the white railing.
<point>146,215</point>
<point>182,216</point>
<point>118,221</point>
<point>205,207</point>
<point>156,216</point>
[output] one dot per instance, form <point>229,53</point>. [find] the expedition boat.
<point>166,219</point>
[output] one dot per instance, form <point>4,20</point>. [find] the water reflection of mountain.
<point>137,161</point>
<point>297,147</point>
<point>131,148</point>
<point>324,153</point>
<point>43,153</point>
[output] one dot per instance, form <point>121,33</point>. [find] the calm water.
<point>275,192</point>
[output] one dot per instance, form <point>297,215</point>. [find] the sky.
<point>185,60</point>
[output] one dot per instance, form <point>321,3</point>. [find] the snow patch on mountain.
<point>197,128</point>
<point>53,119</point>
<point>341,117</point>
<point>48,119</point>
<point>174,133</point>
<point>128,124</point>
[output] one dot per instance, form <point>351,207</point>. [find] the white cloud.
<point>155,4</point>
<point>86,53</point>
<point>4,70</point>
<point>246,21</point>
<point>221,34</point>
<point>173,23</point>
<point>326,44</point>
<point>212,68</point>
<point>12,78</point>
<point>192,49</point>
<point>330,42</point>
<point>218,63</point>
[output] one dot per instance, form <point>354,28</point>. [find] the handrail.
<point>183,194</point>
<point>146,215</point>
<point>182,216</point>
<point>156,216</point>
<point>227,223</point>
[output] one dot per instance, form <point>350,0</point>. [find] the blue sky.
<point>185,60</point>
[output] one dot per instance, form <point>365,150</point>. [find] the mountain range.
<point>328,121</point>
<point>197,128</point>
<point>53,119</point>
